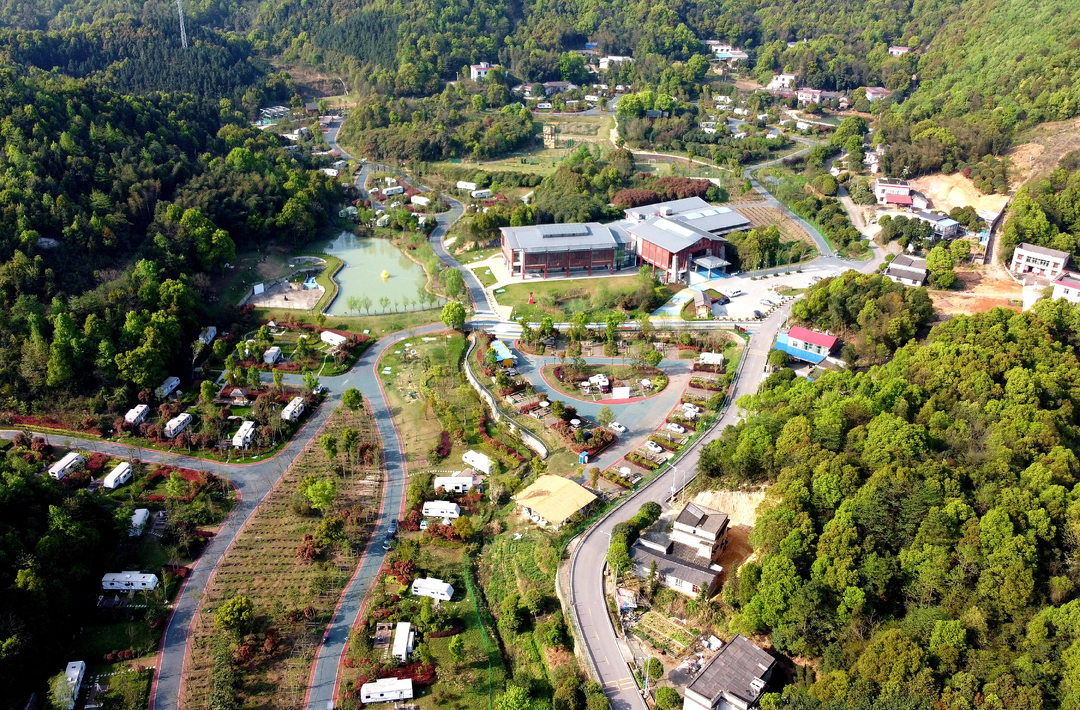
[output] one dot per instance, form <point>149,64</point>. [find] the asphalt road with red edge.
<point>323,685</point>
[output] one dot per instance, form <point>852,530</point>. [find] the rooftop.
<point>909,263</point>
<point>738,670</point>
<point>560,237</point>
<point>671,207</point>
<point>1068,279</point>
<point>554,498</point>
<point>698,516</point>
<point>673,564</point>
<point>809,336</point>
<point>1034,249</point>
<point>672,235</point>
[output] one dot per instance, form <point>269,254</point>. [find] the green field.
<point>562,298</point>
<point>484,276</point>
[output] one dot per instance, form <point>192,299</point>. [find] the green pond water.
<point>364,260</point>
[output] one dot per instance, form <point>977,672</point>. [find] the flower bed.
<point>197,479</point>
<point>512,389</point>
<point>640,460</point>
<point>443,634</point>
<point>496,444</point>
<point>702,384</point>
<point>698,367</point>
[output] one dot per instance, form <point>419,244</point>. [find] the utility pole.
<point>183,32</point>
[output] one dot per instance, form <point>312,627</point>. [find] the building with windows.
<point>434,588</point>
<point>944,227</point>
<point>806,345</point>
<point>404,640</point>
<point>128,581</point>
<point>898,50</point>
<point>678,236</point>
<point>243,436</point>
<point>386,690</point>
<point>565,248</point>
<point>177,424</point>
<point>686,555</point>
<point>479,72</point>
<point>293,409</point>
<point>137,414</point>
<point>734,679</point>
<point>167,387</point>
<point>117,477</point>
<point>1038,261</point>
<point>73,674</point>
<point>70,463</point>
<point>907,270</point>
<point>1067,286</point>
<point>441,509</point>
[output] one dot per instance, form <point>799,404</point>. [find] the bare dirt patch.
<point>768,216</point>
<point>949,191</point>
<point>1053,140</point>
<point>958,304</point>
<point>986,281</point>
<point>741,506</point>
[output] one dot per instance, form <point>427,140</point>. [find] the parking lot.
<point>755,292</point>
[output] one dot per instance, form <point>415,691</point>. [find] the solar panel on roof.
<point>563,230</point>
<point>675,228</point>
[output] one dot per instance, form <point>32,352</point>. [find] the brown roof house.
<point>686,554</point>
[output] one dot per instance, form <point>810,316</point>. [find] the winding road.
<point>255,480</point>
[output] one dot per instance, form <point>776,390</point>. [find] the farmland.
<point>292,581</point>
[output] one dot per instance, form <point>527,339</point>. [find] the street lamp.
<point>674,473</point>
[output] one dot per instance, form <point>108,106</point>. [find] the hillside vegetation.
<point>925,528</point>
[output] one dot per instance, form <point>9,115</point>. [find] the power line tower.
<point>183,32</point>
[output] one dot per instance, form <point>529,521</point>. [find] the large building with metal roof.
<point>734,679</point>
<point>562,249</point>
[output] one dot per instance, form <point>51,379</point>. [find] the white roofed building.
<point>74,673</point>
<point>167,387</point>
<point>386,690</point>
<point>404,640</point>
<point>1038,261</point>
<point>434,588</point>
<point>243,436</point>
<point>177,424</point>
<point>1067,286</point>
<point>454,484</point>
<point>137,414</point>
<point>138,522</point>
<point>128,581</point>
<point>293,409</point>
<point>478,461</point>
<point>70,463</point>
<point>118,476</point>
<point>441,509</point>
<point>333,339</point>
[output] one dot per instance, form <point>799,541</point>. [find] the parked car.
<point>677,428</point>
<point>758,315</point>
<point>767,302</point>
<point>386,543</point>
<point>423,525</point>
<point>654,447</point>
<point>736,292</point>
<point>615,426</point>
<point>688,407</point>
<point>393,527</point>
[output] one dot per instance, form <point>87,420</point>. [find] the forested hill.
<point>924,542</point>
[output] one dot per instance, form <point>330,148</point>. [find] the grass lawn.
<point>624,374</point>
<point>562,298</point>
<point>484,276</point>
<point>377,326</point>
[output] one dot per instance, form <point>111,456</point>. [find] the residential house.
<point>243,436</point>
<point>434,588</point>
<point>873,93</point>
<point>613,61</point>
<point>907,270</point>
<point>558,87</point>
<point>898,51</point>
<point>137,414</point>
<point>332,339</point>
<point>177,424</point>
<point>293,409</point>
<point>553,500</point>
<point>311,108</point>
<point>139,518</point>
<point>734,679</point>
<point>782,81</point>
<point>386,690</point>
<point>167,387</point>
<point>479,72</point>
<point>128,581</point>
<point>404,640</point>
<point>686,557</point>
<point>944,227</point>
<point>702,304</point>
<point>272,355</point>
<point>441,509</point>
<point>478,461</point>
<point>73,674</point>
<point>806,345</point>
<point>118,476</point>
<point>890,191</point>
<point>70,463</point>
<point>809,96</point>
<point>1038,261</point>
<point>1067,286</point>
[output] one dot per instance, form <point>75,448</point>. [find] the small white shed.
<point>126,581</point>
<point>167,387</point>
<point>138,522</point>
<point>403,641</point>
<point>331,338</point>
<point>70,463</point>
<point>386,690</point>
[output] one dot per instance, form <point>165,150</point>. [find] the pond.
<point>364,259</point>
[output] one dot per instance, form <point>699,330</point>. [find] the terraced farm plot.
<point>762,216</point>
<point>293,596</point>
<point>661,629</point>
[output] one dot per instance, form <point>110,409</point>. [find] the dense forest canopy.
<point>925,523</point>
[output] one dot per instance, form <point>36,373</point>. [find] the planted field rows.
<point>294,597</point>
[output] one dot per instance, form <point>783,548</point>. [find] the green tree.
<point>453,282</point>
<point>322,493</point>
<point>618,554</point>
<point>606,416</point>
<point>311,382</point>
<point>960,250</point>
<point>778,359</point>
<point>654,669</point>
<point>453,315</point>
<point>61,693</point>
<point>352,399</point>
<point>279,379</point>
<point>668,698</point>
<point>457,648</point>
<point>463,527</point>
<point>207,391</point>
<point>329,445</point>
<point>235,615</point>
<point>939,259</point>
<point>176,487</point>
<point>515,698</point>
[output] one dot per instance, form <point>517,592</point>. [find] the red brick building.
<point>682,235</point>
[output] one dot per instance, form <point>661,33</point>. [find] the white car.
<point>654,447</point>
<point>677,428</point>
<point>615,426</point>
<point>687,407</point>
<point>767,302</point>
<point>736,292</point>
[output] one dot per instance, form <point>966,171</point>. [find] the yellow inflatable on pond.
<point>385,274</point>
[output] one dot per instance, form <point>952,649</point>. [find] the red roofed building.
<point>898,200</point>
<point>808,340</point>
